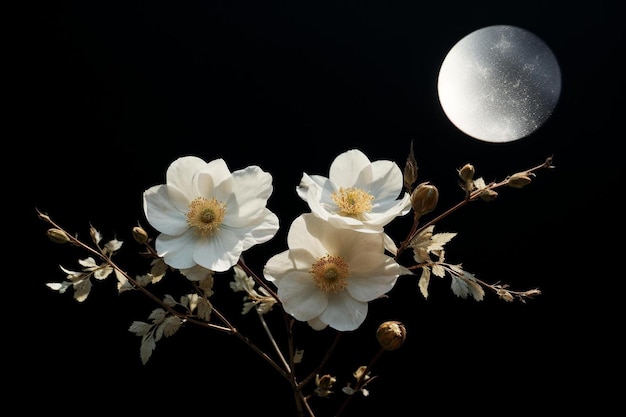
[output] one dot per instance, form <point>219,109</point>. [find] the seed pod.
<point>57,236</point>
<point>488,195</point>
<point>140,235</point>
<point>391,335</point>
<point>467,172</point>
<point>410,170</point>
<point>519,180</point>
<point>424,199</point>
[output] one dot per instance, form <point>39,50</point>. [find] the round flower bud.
<point>424,199</point>
<point>519,180</point>
<point>391,335</point>
<point>488,195</point>
<point>57,236</point>
<point>467,172</point>
<point>140,235</point>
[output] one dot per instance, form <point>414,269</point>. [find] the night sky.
<point>110,94</point>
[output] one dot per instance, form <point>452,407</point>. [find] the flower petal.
<point>211,177</point>
<point>317,324</point>
<point>260,230</point>
<point>387,182</point>
<point>219,252</point>
<point>300,297</point>
<point>344,313</point>
<point>181,171</point>
<point>161,212</point>
<point>286,262</point>
<point>175,249</point>
<point>346,168</point>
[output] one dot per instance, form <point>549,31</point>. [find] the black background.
<point>111,93</point>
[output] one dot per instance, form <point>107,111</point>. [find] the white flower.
<point>328,275</point>
<point>207,215</point>
<point>358,194</point>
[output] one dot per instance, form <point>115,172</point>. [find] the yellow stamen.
<point>330,273</point>
<point>352,201</point>
<point>205,215</point>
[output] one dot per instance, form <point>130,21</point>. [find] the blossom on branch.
<point>208,216</point>
<point>328,275</point>
<point>357,194</point>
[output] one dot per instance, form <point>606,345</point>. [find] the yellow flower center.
<point>206,215</point>
<point>352,201</point>
<point>330,273</point>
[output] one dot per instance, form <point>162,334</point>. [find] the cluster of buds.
<point>469,184</point>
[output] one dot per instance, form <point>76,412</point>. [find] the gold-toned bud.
<point>488,195</point>
<point>57,236</point>
<point>391,335</point>
<point>325,381</point>
<point>410,169</point>
<point>140,235</point>
<point>519,180</point>
<point>467,172</point>
<point>505,295</point>
<point>424,198</point>
<point>324,385</point>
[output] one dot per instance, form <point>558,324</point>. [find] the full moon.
<point>499,83</point>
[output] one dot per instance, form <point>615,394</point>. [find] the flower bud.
<point>488,195</point>
<point>424,198</point>
<point>467,172</point>
<point>410,170</point>
<point>519,180</point>
<point>57,236</point>
<point>324,385</point>
<point>391,335</point>
<point>140,235</point>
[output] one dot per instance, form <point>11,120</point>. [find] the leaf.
<point>424,281</point>
<point>113,245</point>
<point>140,328</point>
<point>169,300</point>
<point>122,282</point>
<point>61,287</point>
<point>439,270</point>
<point>464,285</point>
<point>204,309</point>
<point>168,327</point>
<point>157,315</point>
<point>81,290</point>
<point>103,272</point>
<point>72,275</point>
<point>171,325</point>
<point>147,347</point>
<point>438,240</point>
<point>89,263</point>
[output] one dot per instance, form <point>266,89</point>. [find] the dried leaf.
<point>424,281</point>
<point>61,287</point>
<point>81,290</point>
<point>140,328</point>
<point>464,285</point>
<point>147,347</point>
<point>102,272</point>
<point>113,245</point>
<point>204,309</point>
